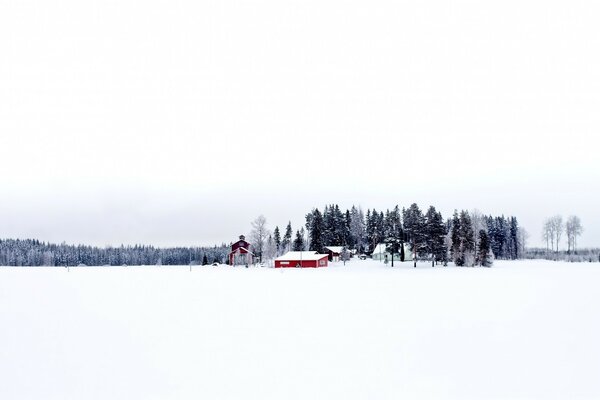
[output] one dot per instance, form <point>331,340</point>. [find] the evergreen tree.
<point>414,226</point>
<point>358,229</point>
<point>287,238</point>
<point>467,238</point>
<point>277,240</point>
<point>328,226</point>
<point>315,230</point>
<point>393,236</point>
<point>372,239</point>
<point>457,255</point>
<point>299,241</point>
<point>204,260</point>
<point>435,231</point>
<point>340,227</point>
<point>514,238</point>
<point>483,252</point>
<point>348,240</point>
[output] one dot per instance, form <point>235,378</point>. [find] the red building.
<point>301,259</point>
<point>240,253</point>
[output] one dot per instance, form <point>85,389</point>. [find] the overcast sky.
<point>178,122</point>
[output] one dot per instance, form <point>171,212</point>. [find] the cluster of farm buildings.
<point>241,254</point>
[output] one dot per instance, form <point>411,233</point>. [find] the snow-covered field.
<point>519,330</point>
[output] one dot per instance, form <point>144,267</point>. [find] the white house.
<point>380,253</point>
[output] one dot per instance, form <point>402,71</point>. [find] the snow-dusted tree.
<point>357,228</point>
<point>483,250</point>
<point>435,232</point>
<point>463,242</point>
<point>513,238</point>
<point>258,235</point>
<point>334,226</point>
<point>348,239</point>
<point>286,242</point>
<point>394,234</point>
<point>314,223</point>
<point>479,222</point>
<point>270,249</point>
<point>523,236</point>
<point>414,228</point>
<point>455,249</point>
<point>345,255</point>
<point>316,232</point>
<point>204,259</point>
<point>277,240</point>
<point>468,238</point>
<point>299,240</point>
<point>573,229</point>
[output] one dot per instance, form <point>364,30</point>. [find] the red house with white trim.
<point>301,259</point>
<point>240,253</point>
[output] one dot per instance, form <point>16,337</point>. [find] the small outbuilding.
<point>301,259</point>
<point>380,253</point>
<point>334,252</point>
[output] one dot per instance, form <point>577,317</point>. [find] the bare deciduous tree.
<point>522,236</point>
<point>259,235</point>
<point>548,234</point>
<point>558,226</point>
<point>573,229</point>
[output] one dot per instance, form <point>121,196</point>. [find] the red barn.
<point>240,253</point>
<point>301,259</point>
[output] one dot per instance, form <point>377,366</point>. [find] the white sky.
<point>178,122</point>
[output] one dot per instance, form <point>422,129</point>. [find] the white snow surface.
<point>518,330</point>
<point>301,255</point>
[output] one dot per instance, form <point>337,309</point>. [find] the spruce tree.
<point>457,255</point>
<point>483,252</point>
<point>414,226</point>
<point>371,230</point>
<point>393,232</point>
<point>348,240</point>
<point>316,231</point>
<point>435,235</point>
<point>514,238</point>
<point>357,229</point>
<point>287,238</point>
<point>277,240</point>
<point>467,238</point>
<point>299,241</point>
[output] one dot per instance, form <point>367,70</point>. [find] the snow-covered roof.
<point>335,249</point>
<point>381,248</point>
<point>301,255</point>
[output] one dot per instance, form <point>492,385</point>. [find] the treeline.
<point>580,255</point>
<point>32,252</point>
<point>468,238</point>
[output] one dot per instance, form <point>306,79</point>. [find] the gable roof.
<point>380,248</point>
<point>242,248</point>
<point>335,249</point>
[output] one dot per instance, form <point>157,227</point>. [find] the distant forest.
<point>30,252</point>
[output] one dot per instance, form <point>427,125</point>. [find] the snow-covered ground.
<point>519,330</point>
